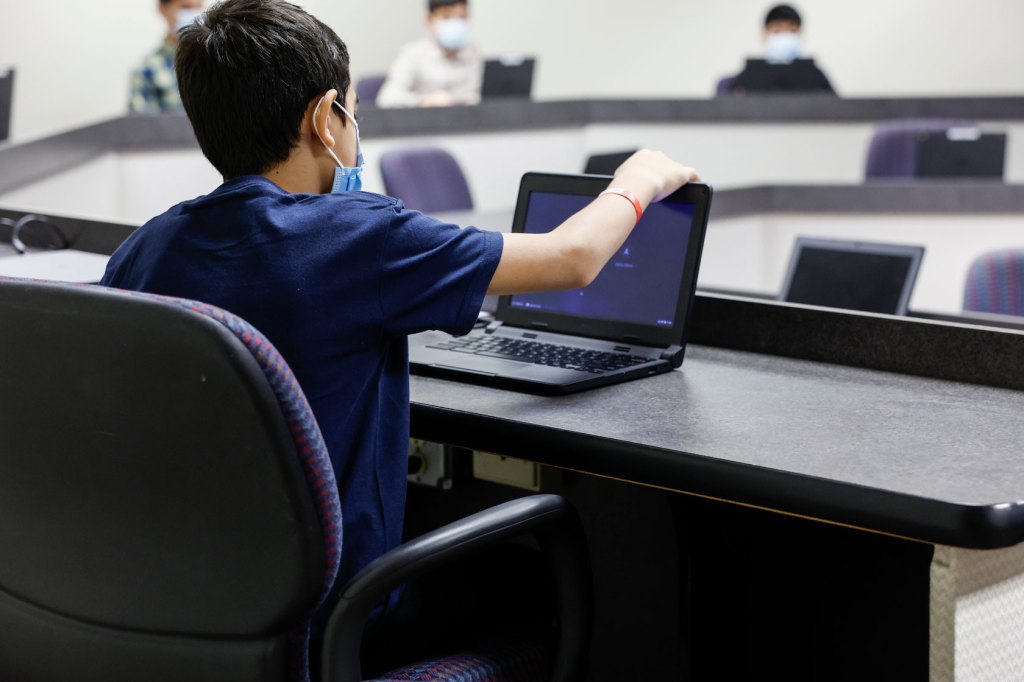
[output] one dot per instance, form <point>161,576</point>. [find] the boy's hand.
<point>652,176</point>
<point>572,255</point>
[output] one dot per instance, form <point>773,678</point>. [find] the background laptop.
<point>800,75</point>
<point>6,97</point>
<point>508,77</point>
<point>629,323</point>
<point>961,153</point>
<point>876,278</point>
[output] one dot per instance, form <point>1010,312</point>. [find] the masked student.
<point>154,87</point>
<point>336,277</point>
<point>783,45</point>
<point>442,69</point>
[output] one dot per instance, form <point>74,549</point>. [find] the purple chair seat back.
<point>425,179</point>
<point>995,283</point>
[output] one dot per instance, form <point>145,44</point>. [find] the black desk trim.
<point>976,527</point>
<point>953,351</point>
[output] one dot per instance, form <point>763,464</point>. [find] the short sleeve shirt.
<point>336,282</point>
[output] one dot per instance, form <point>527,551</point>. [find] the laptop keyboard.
<point>539,353</point>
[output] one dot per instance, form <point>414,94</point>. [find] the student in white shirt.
<point>442,69</point>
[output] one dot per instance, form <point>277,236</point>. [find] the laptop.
<point>875,278</point>
<point>799,75</point>
<point>508,77</point>
<point>631,321</point>
<point>961,153</point>
<point>6,97</point>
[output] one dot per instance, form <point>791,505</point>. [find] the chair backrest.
<point>425,179</point>
<point>368,87</point>
<point>893,149</point>
<point>606,163</point>
<point>995,283</point>
<point>167,507</point>
<point>724,86</point>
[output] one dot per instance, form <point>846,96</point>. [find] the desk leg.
<point>977,615</point>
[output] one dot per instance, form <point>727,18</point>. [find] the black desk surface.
<point>919,457</point>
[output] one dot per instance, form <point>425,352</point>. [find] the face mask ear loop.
<point>359,144</point>
<point>316,117</point>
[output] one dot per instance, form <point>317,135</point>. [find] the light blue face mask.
<point>345,179</point>
<point>186,15</point>
<point>783,48</point>
<point>452,34</point>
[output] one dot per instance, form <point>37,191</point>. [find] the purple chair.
<point>724,86</point>
<point>995,283</point>
<point>168,510</point>
<point>893,149</point>
<point>426,179</point>
<point>367,89</point>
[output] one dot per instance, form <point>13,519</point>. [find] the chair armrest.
<point>549,518</point>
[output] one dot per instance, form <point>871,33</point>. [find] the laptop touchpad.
<point>489,365</point>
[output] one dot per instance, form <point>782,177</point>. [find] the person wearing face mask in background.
<point>442,69</point>
<point>154,87</point>
<point>783,47</point>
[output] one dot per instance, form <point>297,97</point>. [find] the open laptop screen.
<point>639,285</point>
<point>972,155</point>
<point>508,77</point>
<point>6,94</point>
<point>875,278</point>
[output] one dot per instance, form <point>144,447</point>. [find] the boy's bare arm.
<point>572,255</point>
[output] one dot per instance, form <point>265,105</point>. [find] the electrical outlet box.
<point>430,464</point>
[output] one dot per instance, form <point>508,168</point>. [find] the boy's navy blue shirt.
<point>336,282</point>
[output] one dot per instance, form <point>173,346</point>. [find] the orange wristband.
<point>628,196</point>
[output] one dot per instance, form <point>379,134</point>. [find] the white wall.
<point>74,56</point>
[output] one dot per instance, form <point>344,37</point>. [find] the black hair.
<point>247,71</point>
<point>782,13</point>
<point>437,4</point>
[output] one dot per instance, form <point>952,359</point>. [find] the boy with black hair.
<point>337,278</point>
<point>782,34</point>
<point>783,50</point>
<point>440,70</point>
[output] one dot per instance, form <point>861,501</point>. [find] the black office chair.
<point>606,163</point>
<point>168,510</point>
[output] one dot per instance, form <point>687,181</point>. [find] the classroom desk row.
<point>905,431</point>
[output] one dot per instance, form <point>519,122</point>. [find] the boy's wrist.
<point>628,196</point>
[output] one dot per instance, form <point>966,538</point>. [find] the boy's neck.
<point>298,174</point>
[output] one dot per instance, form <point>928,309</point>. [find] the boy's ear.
<point>321,117</point>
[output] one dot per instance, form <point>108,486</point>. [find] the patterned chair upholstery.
<point>168,510</point>
<point>995,283</point>
<point>892,153</point>
<point>425,179</point>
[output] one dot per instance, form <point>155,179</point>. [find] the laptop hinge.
<point>492,327</point>
<point>674,354</point>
